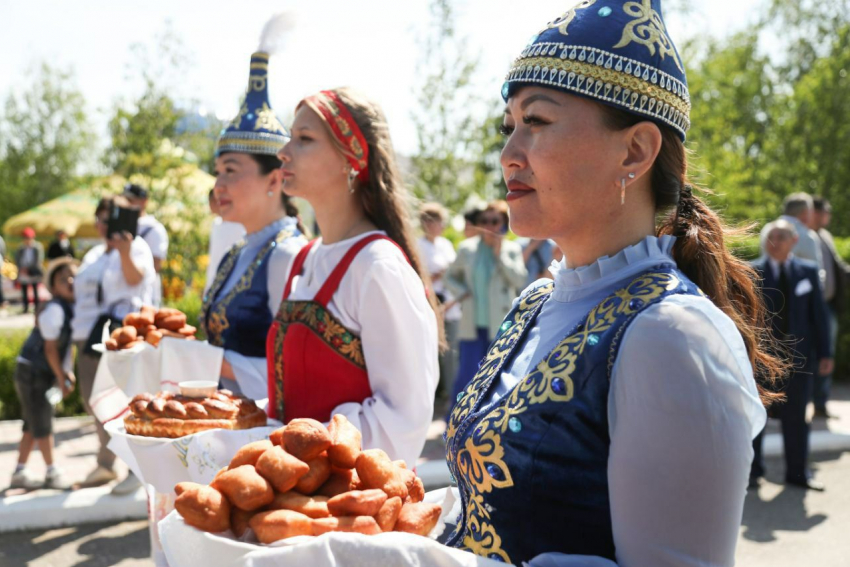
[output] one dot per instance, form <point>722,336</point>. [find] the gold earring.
<point>622,190</point>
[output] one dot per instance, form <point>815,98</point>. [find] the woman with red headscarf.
<point>356,332</point>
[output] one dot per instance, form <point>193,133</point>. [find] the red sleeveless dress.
<point>315,363</point>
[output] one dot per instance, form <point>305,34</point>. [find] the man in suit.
<point>792,293</point>
<point>836,272</point>
<point>798,209</point>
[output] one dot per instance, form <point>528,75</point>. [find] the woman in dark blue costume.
<point>244,296</point>
<point>613,416</point>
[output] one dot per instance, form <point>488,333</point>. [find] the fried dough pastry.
<point>358,524</point>
<point>376,470</point>
<point>276,436</point>
<point>311,506</point>
<point>182,487</point>
<point>249,454</point>
<point>280,524</point>
<point>417,493</point>
<point>245,488</point>
<point>320,471</point>
<point>388,514</point>
<point>341,480</point>
<point>281,469</point>
<point>153,337</point>
<point>204,508</point>
<point>239,520</point>
<point>306,439</point>
<point>418,518</point>
<point>346,441</point>
<point>357,503</point>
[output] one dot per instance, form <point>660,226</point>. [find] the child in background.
<point>44,363</point>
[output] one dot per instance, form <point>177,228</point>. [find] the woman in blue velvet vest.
<point>611,421</point>
<point>243,298</point>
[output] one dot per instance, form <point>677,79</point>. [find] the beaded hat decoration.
<point>256,129</point>
<point>333,111</point>
<point>613,51</point>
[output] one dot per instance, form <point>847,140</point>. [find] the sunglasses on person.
<point>489,221</point>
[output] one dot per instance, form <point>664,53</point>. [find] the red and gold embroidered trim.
<point>331,108</point>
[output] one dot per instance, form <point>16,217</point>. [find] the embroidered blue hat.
<point>256,129</point>
<point>614,51</point>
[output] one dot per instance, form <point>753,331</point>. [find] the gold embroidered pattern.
<point>648,29</point>
<point>216,321</point>
<point>499,350</point>
<point>266,119</point>
<point>564,21</point>
<point>480,464</point>
<point>611,77</point>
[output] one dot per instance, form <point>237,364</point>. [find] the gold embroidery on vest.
<point>483,447</point>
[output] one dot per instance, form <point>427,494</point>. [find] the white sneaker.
<point>99,476</point>
<point>23,479</point>
<point>56,480</point>
<point>127,486</point>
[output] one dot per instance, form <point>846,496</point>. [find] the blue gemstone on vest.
<point>559,386</point>
<point>505,326</point>
<point>496,557</point>
<point>605,11</point>
<point>592,339</point>
<point>515,424</point>
<point>459,396</point>
<point>635,304</point>
<point>495,472</point>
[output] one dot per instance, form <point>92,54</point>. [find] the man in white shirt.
<point>151,231</point>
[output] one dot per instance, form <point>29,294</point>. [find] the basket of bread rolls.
<point>307,480</point>
<point>150,325</point>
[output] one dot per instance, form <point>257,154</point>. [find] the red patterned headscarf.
<point>328,105</point>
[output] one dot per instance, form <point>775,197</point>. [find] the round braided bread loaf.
<point>171,415</point>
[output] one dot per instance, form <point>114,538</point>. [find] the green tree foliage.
<point>446,128</point>
<point>45,135</point>
<point>734,109</point>
<point>813,153</point>
<point>148,146</point>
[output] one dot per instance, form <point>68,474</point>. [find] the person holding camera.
<point>115,278</point>
<point>43,370</point>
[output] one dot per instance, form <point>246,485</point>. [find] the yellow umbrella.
<point>74,211</point>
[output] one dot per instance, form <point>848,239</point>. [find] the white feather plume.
<point>275,32</point>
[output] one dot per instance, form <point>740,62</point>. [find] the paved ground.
<point>91,545</point>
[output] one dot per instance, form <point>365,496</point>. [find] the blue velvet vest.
<point>240,319</point>
<point>531,468</point>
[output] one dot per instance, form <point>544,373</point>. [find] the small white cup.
<point>198,388</point>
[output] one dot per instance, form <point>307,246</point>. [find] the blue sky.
<point>370,45</point>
